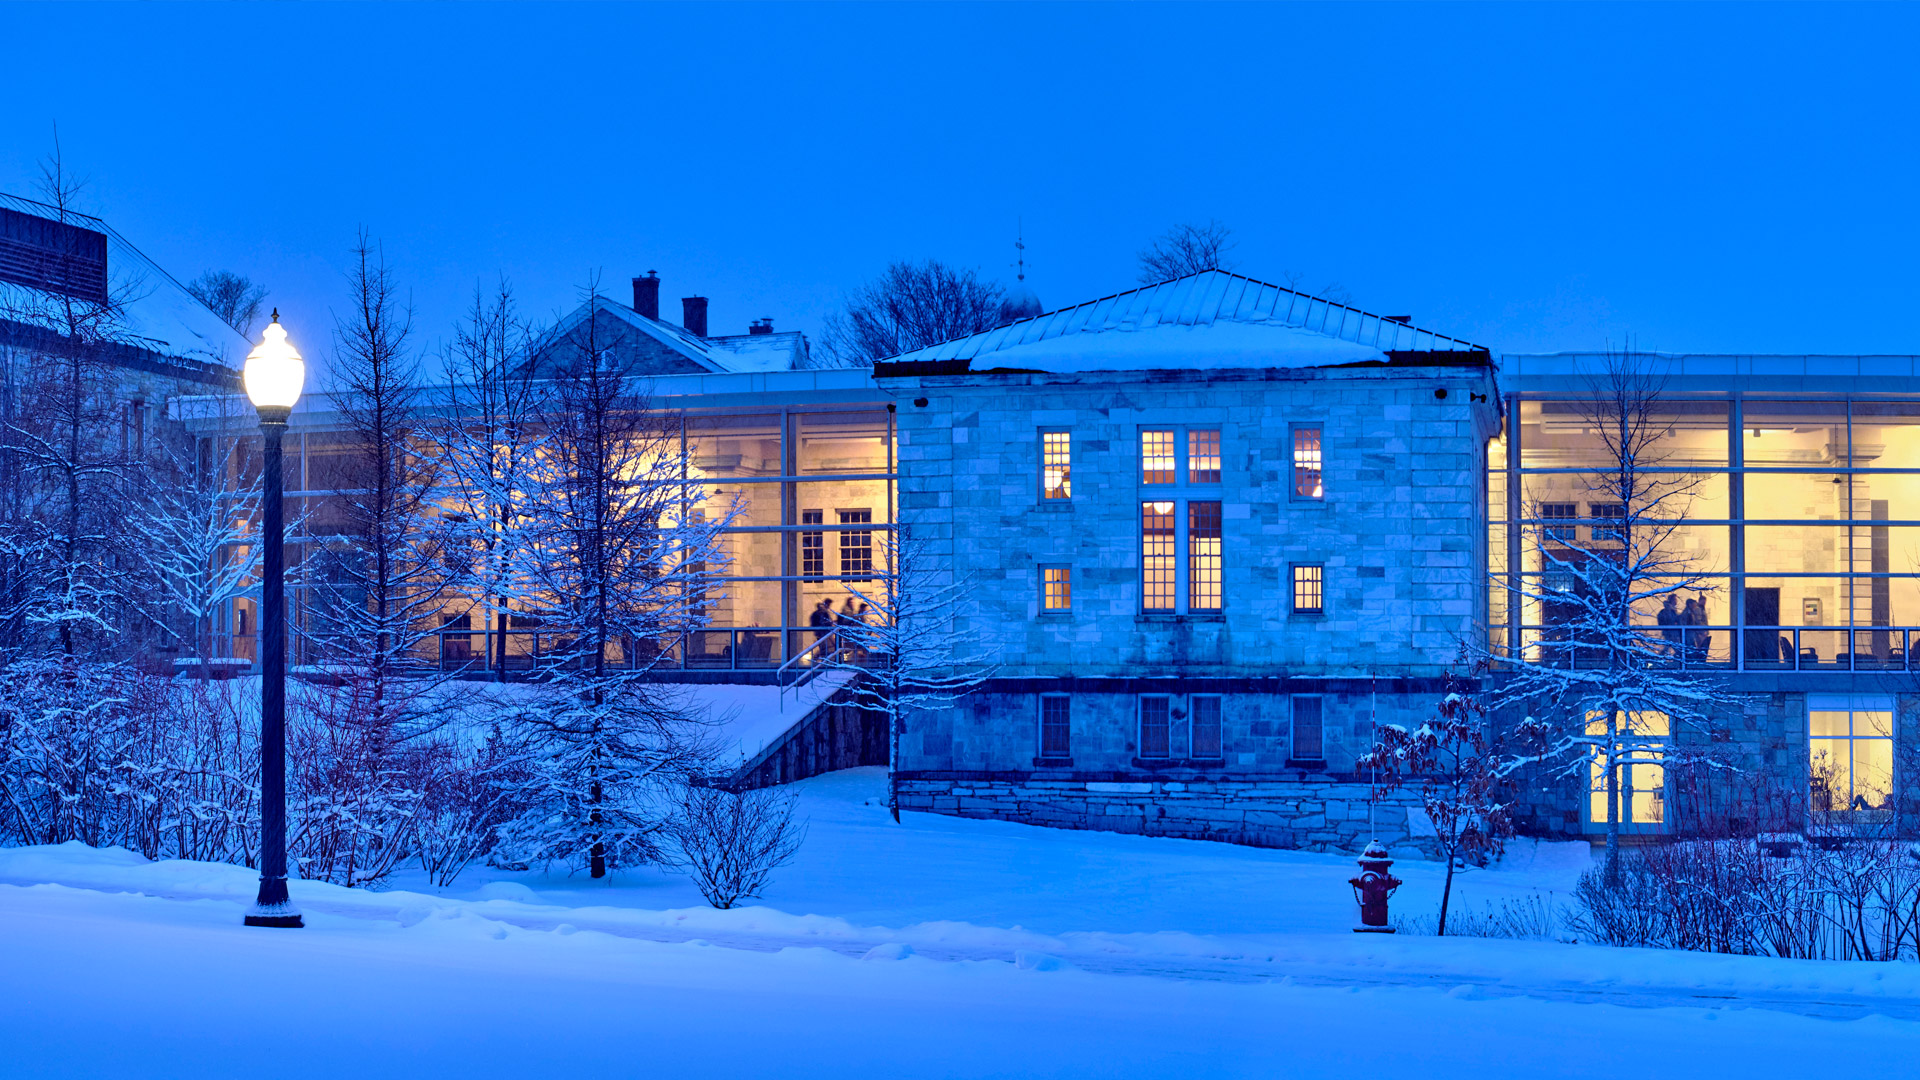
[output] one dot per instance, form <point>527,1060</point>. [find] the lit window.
<point>1157,464</point>
<point>1558,511</point>
<point>1640,739</point>
<point>1056,731</point>
<point>813,547</point>
<point>1203,456</point>
<point>1203,556</point>
<point>856,547</point>
<point>1157,556</point>
<point>1850,758</point>
<point>1056,583</point>
<point>1308,598</point>
<point>1155,726</point>
<point>1607,534</point>
<point>1306,463</point>
<point>1205,709</point>
<point>1309,743</point>
<point>1056,465</point>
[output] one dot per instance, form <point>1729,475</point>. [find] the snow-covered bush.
<point>169,767</point>
<point>731,842</point>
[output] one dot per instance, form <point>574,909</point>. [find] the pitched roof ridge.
<point>1200,298</point>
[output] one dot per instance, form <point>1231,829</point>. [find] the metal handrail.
<point>1895,651</point>
<point>811,670</point>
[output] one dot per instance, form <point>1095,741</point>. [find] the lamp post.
<point>274,375</point>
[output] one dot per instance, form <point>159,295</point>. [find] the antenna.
<point>1020,248</point>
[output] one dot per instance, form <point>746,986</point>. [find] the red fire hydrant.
<point>1372,888</point>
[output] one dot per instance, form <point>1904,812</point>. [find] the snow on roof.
<point>161,315</point>
<point>1212,319</point>
<point>786,351</point>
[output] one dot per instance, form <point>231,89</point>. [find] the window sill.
<point>1055,613</point>
<point>1179,763</point>
<point>1053,763</point>
<point>1055,506</point>
<point>1180,616</point>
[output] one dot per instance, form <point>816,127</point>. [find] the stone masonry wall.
<point>1317,815</point>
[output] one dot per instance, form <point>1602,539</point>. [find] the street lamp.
<point>274,375</point>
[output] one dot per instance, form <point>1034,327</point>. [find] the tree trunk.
<point>894,724</point>
<point>1611,868</point>
<point>1446,897</point>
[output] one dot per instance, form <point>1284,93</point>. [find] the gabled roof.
<point>676,338</point>
<point>732,353</point>
<point>161,316</point>
<point>1212,319</point>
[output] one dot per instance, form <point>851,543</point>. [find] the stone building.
<point>1215,530</point>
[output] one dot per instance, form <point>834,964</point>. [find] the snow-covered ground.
<point>936,947</point>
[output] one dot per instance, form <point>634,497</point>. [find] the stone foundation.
<point>1311,815</point>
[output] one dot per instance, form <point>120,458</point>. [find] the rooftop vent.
<point>761,326</point>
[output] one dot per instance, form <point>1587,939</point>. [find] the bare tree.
<point>1186,249</point>
<point>1604,683</point>
<point>494,437</point>
<point>909,306</point>
<point>233,297</point>
<point>200,530</point>
<point>379,591</point>
<point>731,842</point>
<point>914,652</point>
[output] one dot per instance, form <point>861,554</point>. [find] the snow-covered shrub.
<point>467,795</point>
<point>731,842</point>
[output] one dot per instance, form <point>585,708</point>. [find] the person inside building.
<point>821,620</point>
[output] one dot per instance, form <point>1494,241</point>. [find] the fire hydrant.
<point>1372,888</point>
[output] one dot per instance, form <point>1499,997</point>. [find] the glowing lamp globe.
<point>275,373</point>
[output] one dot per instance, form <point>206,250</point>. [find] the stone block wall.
<point>1312,813</point>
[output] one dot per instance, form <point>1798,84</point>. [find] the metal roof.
<point>1204,299</point>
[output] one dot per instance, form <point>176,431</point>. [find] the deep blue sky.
<point>1529,177</point>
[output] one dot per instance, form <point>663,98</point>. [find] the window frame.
<point>1181,492</point>
<point>1140,727</point>
<point>1219,725</point>
<point>1854,705</point>
<point>813,546</point>
<point>857,541</point>
<point>1066,467</point>
<point>1065,706</point>
<point>1198,575</point>
<point>1293,461</point>
<point>1319,756</point>
<point>1047,606</point>
<point>1320,589</point>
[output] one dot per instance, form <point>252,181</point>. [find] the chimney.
<point>694,315</point>
<point>761,326</point>
<point>646,295</point>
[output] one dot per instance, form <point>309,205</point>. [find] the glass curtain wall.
<point>1791,527</point>
<point>810,492</point>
